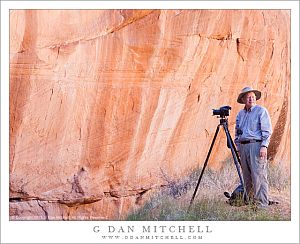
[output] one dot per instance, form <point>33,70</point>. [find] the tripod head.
<point>224,121</point>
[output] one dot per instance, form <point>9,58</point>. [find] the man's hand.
<point>263,153</point>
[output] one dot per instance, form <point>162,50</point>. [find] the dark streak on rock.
<point>238,46</point>
<point>44,210</point>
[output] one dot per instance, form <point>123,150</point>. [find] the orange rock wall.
<point>103,101</point>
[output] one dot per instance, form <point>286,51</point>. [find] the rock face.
<point>103,101</point>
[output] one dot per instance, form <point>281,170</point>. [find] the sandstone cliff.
<point>103,101</point>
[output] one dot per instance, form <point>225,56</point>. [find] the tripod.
<point>236,159</point>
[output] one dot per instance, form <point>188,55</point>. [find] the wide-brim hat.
<point>246,90</point>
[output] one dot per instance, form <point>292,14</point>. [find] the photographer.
<point>252,136</point>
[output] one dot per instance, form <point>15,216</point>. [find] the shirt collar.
<point>250,109</point>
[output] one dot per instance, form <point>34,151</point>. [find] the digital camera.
<point>222,111</point>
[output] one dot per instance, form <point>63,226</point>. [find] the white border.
<point>82,231</point>
<point>150,4</point>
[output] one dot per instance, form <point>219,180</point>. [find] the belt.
<point>250,141</point>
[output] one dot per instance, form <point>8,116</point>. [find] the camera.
<point>222,111</point>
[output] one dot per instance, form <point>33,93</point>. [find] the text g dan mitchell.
<point>153,229</point>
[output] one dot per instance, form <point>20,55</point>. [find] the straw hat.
<point>246,90</point>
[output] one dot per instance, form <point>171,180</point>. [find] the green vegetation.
<point>172,202</point>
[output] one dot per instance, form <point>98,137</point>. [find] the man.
<point>252,137</point>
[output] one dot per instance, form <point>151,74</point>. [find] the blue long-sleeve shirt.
<point>254,124</point>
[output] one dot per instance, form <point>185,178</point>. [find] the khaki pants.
<point>254,173</point>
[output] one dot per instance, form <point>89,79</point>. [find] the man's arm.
<point>266,128</point>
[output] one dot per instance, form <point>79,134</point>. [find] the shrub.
<point>173,200</point>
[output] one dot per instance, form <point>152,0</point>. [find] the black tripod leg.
<point>234,148</point>
<point>205,164</point>
<point>236,160</point>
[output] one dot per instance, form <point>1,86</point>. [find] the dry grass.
<point>172,202</point>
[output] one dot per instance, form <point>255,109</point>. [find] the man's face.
<point>250,99</point>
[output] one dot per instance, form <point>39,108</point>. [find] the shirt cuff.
<point>264,144</point>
